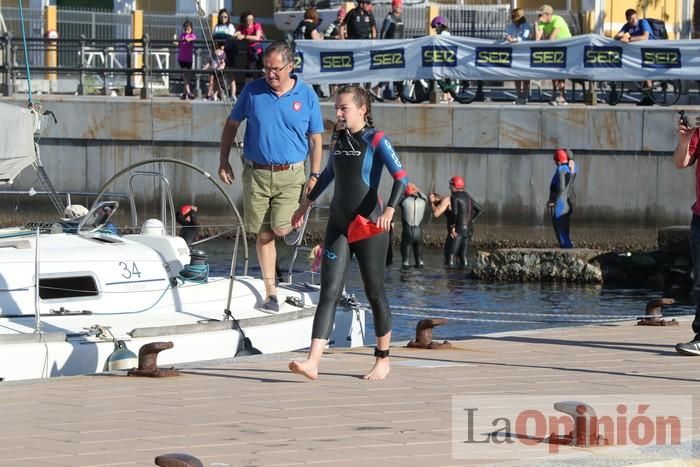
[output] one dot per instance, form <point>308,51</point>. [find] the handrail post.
<point>105,54</point>
<point>145,91</point>
<point>129,88</point>
<point>81,79</point>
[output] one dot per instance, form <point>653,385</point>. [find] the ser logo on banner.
<point>383,59</point>
<point>602,57</point>
<point>299,62</point>
<point>438,55</point>
<point>337,61</point>
<point>661,58</point>
<point>548,57</point>
<point>494,57</point>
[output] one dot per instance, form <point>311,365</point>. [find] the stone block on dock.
<point>675,239</point>
<point>539,265</point>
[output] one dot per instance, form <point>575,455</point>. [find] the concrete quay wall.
<point>626,175</point>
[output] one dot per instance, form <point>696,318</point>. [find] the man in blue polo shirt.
<point>283,125</point>
<point>637,29</point>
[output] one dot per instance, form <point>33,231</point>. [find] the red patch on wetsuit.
<point>296,105</point>
<point>377,138</point>
<point>399,175</point>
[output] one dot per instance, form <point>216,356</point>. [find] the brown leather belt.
<point>273,168</point>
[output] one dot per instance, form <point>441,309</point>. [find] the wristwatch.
<point>315,175</point>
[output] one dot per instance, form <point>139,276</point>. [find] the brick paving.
<point>252,411</point>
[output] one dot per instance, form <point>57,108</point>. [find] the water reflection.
<point>475,307</point>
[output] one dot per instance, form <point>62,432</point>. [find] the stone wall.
<point>626,180</point>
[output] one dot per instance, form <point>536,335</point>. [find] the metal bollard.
<point>148,364</point>
<point>178,459</point>
<point>585,432</point>
<point>424,335</point>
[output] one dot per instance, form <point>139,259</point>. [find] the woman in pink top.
<point>252,32</point>
<point>185,56</point>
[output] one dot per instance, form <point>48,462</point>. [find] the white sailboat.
<point>71,293</point>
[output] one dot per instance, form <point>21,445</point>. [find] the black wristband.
<point>314,175</point>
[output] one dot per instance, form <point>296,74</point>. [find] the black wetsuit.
<point>356,163</point>
<point>464,212</point>
<point>190,227</point>
<point>560,198</point>
<point>447,247</point>
<point>412,212</point>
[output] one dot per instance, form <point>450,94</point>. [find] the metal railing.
<point>104,65</point>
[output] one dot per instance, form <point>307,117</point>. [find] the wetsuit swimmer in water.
<point>464,212</point>
<point>412,211</point>
<point>357,160</point>
<point>560,202</point>
<point>441,205</point>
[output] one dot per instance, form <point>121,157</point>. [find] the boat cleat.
<point>653,313</point>
<point>424,335</point>
<point>148,365</point>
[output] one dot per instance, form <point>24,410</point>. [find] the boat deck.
<point>252,411</point>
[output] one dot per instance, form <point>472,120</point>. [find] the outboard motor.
<point>198,269</point>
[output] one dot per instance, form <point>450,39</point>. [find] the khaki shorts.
<point>270,198</point>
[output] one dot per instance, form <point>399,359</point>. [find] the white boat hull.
<point>127,293</point>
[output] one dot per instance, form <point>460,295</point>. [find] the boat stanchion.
<point>178,459</point>
<point>653,313</point>
<point>585,423</point>
<point>148,364</point>
<point>424,335</point>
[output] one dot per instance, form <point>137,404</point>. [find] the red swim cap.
<point>457,181</point>
<point>396,3</point>
<point>185,209</point>
<point>561,156</point>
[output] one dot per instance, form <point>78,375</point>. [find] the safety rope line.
<point>483,320</point>
<point>510,313</point>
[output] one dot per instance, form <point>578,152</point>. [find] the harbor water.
<point>474,307</point>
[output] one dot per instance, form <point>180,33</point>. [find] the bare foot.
<point>380,370</point>
<point>306,368</point>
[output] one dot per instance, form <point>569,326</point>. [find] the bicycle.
<point>661,92</point>
<point>417,91</point>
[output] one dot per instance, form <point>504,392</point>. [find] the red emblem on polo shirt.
<point>296,105</point>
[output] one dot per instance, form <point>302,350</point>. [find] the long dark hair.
<point>221,12</point>
<point>245,14</point>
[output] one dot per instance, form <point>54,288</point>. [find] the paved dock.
<point>252,411</point>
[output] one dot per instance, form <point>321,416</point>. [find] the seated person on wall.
<point>637,29</point>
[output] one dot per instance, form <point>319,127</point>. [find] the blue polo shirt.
<point>638,29</point>
<point>277,127</point>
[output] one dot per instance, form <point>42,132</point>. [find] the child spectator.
<point>217,63</point>
<point>517,31</point>
<point>185,55</point>
<point>251,31</point>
